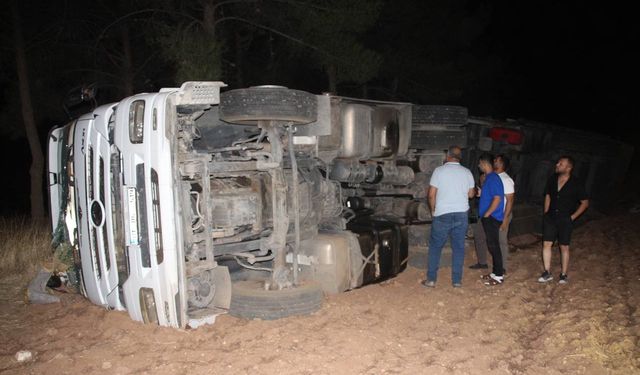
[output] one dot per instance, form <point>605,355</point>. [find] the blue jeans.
<point>452,225</point>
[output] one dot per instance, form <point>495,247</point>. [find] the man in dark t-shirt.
<point>564,201</point>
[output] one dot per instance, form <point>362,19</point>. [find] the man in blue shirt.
<point>491,209</point>
<point>450,188</point>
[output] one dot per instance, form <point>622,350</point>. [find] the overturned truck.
<point>188,202</point>
<point>179,205</point>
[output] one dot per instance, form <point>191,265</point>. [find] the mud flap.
<point>220,304</point>
<point>222,281</point>
<point>37,290</point>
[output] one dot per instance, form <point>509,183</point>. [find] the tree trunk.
<point>271,64</point>
<point>239,60</point>
<point>127,64</point>
<point>37,158</point>
<point>394,88</point>
<point>332,76</point>
<point>209,18</point>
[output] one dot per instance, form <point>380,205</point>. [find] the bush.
<point>25,245</point>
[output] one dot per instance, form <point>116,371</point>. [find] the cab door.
<point>56,169</point>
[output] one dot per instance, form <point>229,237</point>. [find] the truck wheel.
<point>201,289</point>
<point>249,300</point>
<point>439,115</point>
<point>268,103</point>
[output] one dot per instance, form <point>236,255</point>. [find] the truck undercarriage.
<point>187,203</point>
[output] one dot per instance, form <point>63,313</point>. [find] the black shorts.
<point>557,227</point>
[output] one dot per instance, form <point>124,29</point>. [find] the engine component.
<point>331,202</point>
<point>368,132</point>
<point>304,197</point>
<point>358,203</point>
<point>407,209</point>
<point>234,203</point>
<point>394,175</point>
<point>201,289</point>
<point>355,172</point>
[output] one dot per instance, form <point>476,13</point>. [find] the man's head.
<point>500,163</point>
<point>485,163</point>
<point>564,165</point>
<point>454,154</point>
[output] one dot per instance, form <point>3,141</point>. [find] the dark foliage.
<point>555,61</point>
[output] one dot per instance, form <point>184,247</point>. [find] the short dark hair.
<point>505,161</point>
<point>569,160</point>
<point>486,157</point>
<point>455,152</point>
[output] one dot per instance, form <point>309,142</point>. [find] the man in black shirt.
<point>564,201</point>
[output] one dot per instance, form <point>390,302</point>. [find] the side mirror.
<point>81,98</point>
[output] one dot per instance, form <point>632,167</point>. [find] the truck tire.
<point>268,103</point>
<point>249,300</point>
<point>439,115</point>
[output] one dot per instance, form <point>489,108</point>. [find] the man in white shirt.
<point>500,165</point>
<point>450,189</point>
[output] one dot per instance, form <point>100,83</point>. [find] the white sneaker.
<point>564,279</point>
<point>492,280</point>
<point>545,277</point>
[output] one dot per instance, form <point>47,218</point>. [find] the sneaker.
<point>429,283</point>
<point>563,278</point>
<point>545,277</point>
<point>494,280</point>
<point>479,266</point>
<point>457,285</point>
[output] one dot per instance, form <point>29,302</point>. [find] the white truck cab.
<point>186,203</point>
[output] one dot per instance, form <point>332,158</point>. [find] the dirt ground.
<point>589,326</point>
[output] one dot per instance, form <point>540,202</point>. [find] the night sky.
<point>564,62</point>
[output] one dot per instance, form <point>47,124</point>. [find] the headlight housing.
<point>136,121</point>
<point>148,306</point>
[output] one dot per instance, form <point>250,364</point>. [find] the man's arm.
<point>507,211</point>
<point>494,204</point>
<point>547,203</point>
<point>471,193</point>
<point>471,184</point>
<point>432,198</point>
<point>581,209</point>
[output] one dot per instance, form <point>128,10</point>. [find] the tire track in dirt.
<point>627,276</point>
<point>532,337</point>
<point>592,321</point>
<point>562,316</point>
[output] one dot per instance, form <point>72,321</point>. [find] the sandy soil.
<point>590,326</point>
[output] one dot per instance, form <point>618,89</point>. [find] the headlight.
<point>148,306</point>
<point>136,121</point>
